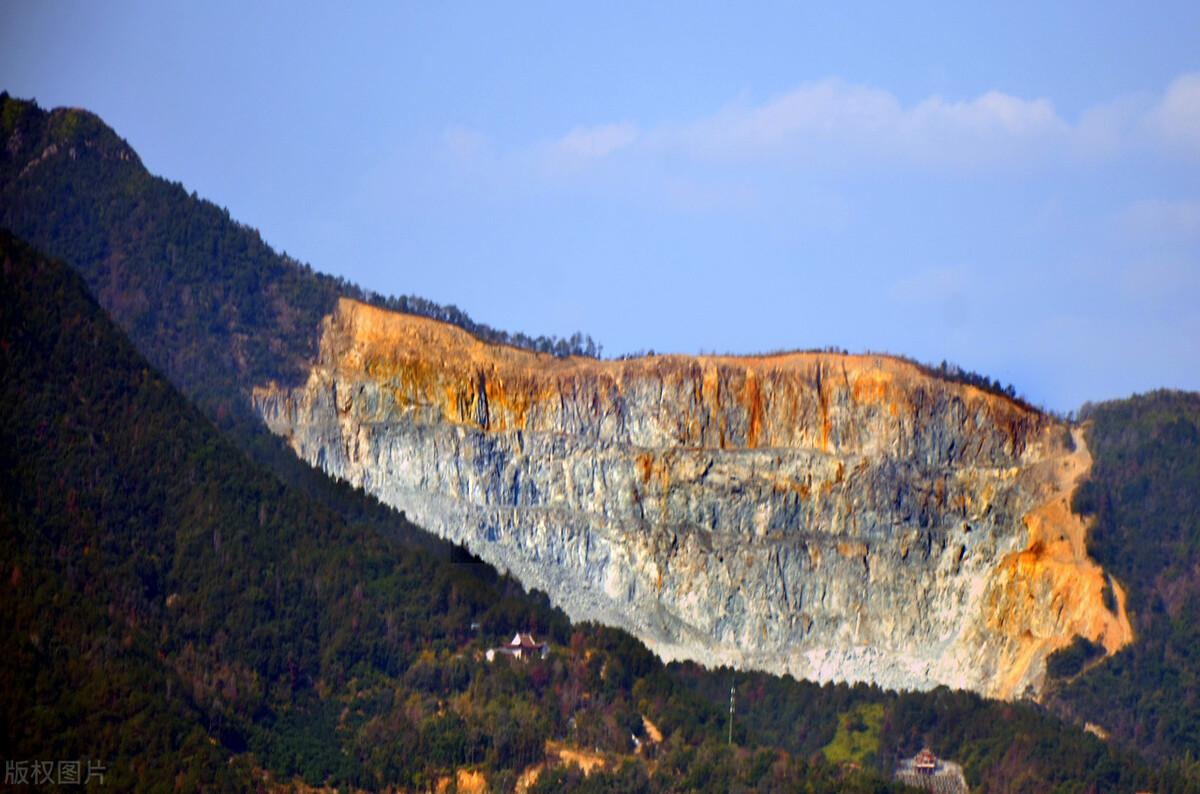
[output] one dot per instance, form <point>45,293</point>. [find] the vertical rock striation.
<point>836,517</point>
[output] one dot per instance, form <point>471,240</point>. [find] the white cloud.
<point>1176,118</point>
<point>828,118</point>
<point>594,143</point>
<point>1105,129</point>
<point>822,111</point>
<point>831,121</point>
<point>994,128</point>
<point>749,154</point>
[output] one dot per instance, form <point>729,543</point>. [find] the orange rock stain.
<point>752,398</point>
<point>1051,591</point>
<point>728,402</point>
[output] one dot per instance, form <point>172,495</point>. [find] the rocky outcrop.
<point>836,517</point>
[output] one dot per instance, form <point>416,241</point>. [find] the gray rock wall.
<point>835,517</point>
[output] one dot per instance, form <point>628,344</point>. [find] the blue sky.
<point>1015,189</point>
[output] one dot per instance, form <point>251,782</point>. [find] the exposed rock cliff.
<point>836,517</point>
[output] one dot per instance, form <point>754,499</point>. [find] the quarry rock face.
<point>836,517</point>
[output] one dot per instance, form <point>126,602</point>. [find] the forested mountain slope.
<point>1144,495</point>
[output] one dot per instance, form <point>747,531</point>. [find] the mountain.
<point>220,312</point>
<point>183,619</point>
<point>835,517</point>
<point>193,290</point>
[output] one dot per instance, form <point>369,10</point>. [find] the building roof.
<point>526,641</point>
<point>925,758</point>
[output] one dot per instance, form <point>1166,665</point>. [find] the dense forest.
<point>188,613</point>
